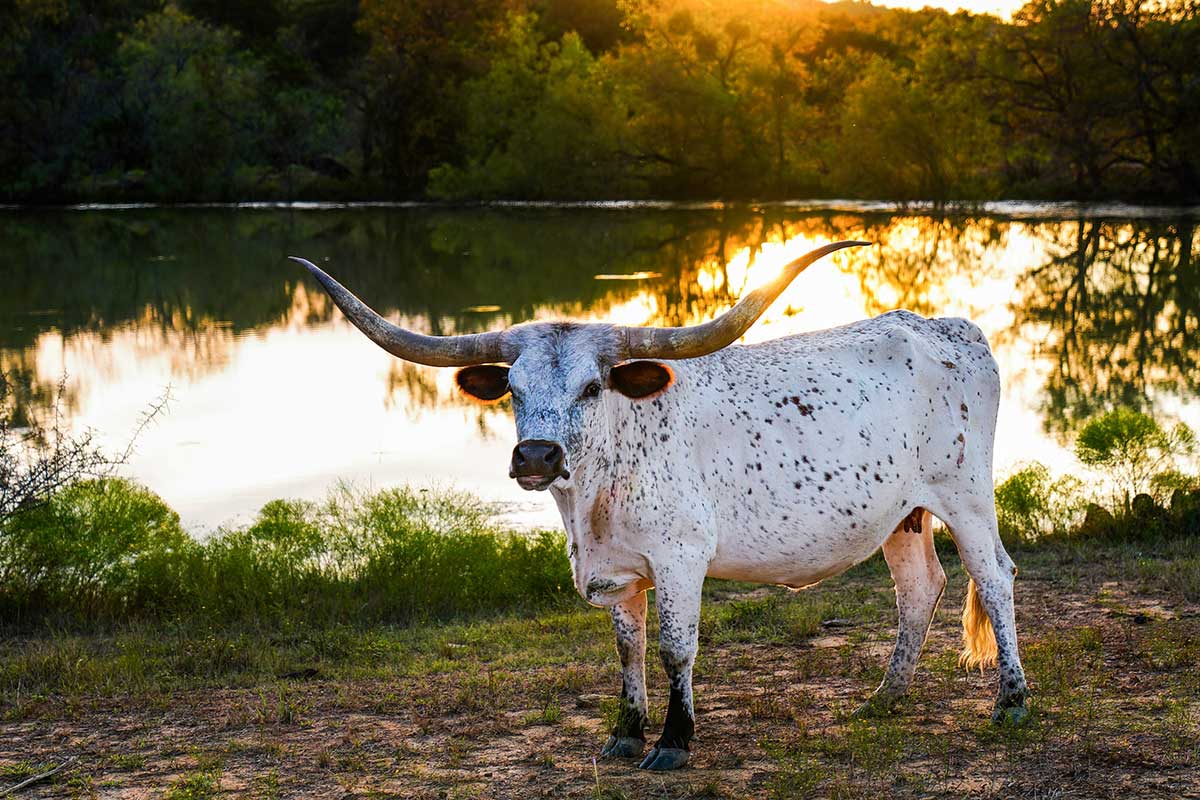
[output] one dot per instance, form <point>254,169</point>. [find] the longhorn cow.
<point>674,454</point>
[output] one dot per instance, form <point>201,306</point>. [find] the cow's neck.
<point>585,501</point>
<point>593,500</point>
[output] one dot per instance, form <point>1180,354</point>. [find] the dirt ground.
<point>1116,713</point>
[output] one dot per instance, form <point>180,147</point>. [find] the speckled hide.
<point>782,462</point>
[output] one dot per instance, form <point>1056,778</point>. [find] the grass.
<point>462,708</point>
<point>110,552</point>
<point>194,786</point>
<point>107,551</point>
<point>322,671</point>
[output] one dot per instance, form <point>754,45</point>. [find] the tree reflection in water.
<point>1111,306</point>
<point>1120,304</point>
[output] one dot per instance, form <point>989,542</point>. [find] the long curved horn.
<point>435,351</point>
<point>711,336</point>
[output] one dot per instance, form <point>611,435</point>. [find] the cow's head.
<point>562,375</point>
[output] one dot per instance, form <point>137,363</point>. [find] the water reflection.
<point>277,395</point>
<point>1121,307</point>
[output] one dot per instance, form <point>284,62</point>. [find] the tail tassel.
<point>979,639</point>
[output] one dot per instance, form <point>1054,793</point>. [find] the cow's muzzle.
<point>537,463</point>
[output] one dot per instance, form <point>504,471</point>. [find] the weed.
<point>456,748</point>
<point>268,786</point>
<point>20,770</point>
<point>280,707</point>
<point>601,791</point>
<point>194,786</point>
<point>799,773</point>
<point>127,760</point>
<point>549,714</point>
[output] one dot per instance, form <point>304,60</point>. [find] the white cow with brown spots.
<point>674,454</point>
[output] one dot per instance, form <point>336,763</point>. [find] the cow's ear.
<point>487,382</point>
<point>640,379</point>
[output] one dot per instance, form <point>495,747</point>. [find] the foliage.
<point>1095,92</point>
<point>1030,504</point>
<point>110,549</point>
<point>462,99</point>
<point>1132,447</point>
<point>36,462</point>
<point>544,122</point>
<point>1138,455</point>
<point>195,93</point>
<point>101,546</point>
<point>421,52</point>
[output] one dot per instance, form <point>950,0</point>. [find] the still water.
<point>274,394</point>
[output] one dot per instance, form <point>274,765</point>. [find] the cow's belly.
<point>808,484</point>
<point>799,535</point>
<point>797,523</point>
<point>792,557</point>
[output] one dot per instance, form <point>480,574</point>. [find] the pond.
<point>274,394</point>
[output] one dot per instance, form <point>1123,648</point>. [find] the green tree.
<point>907,134</point>
<point>1132,447</point>
<point>692,127</point>
<point>1098,97</point>
<point>421,52</point>
<point>544,122</point>
<point>60,114</point>
<point>197,97</point>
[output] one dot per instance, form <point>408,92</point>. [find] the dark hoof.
<point>623,747</point>
<point>665,758</point>
<point>1010,715</point>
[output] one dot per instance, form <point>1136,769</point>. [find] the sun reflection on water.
<point>283,401</point>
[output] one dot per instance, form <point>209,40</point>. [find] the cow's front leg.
<point>628,738</point>
<point>678,603</point>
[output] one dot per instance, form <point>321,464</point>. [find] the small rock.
<point>307,672</point>
<point>837,623</point>
<point>1097,521</point>
<point>1144,506</point>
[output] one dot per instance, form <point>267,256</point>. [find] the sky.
<point>1001,8</point>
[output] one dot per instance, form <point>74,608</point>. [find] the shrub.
<point>1131,447</point>
<point>99,547</point>
<point>419,553</point>
<point>110,549</point>
<point>1031,504</point>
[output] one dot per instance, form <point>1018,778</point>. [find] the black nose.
<point>536,457</point>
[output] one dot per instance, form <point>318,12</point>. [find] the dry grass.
<point>514,707</point>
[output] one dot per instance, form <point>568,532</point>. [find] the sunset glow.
<point>1000,8</point>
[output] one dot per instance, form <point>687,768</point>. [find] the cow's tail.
<point>979,639</point>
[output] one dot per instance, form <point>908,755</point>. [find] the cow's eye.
<point>591,390</point>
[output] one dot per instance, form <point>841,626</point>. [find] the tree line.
<point>191,100</point>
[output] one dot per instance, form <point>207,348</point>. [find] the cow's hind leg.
<point>628,738</point>
<point>919,581</point>
<point>973,527</point>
